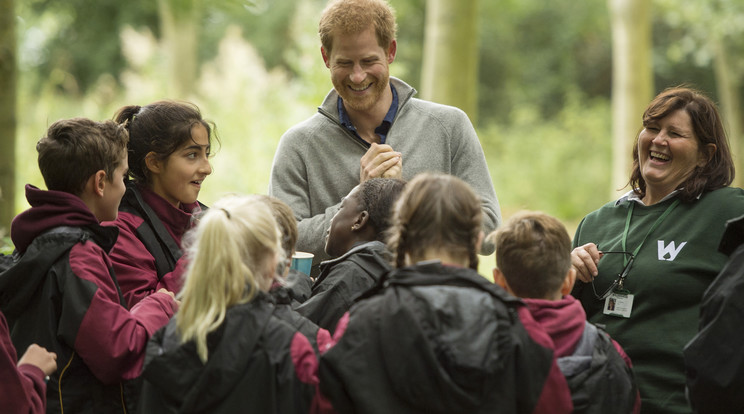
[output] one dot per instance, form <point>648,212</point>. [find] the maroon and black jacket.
<point>62,294</point>
<point>146,254</point>
<point>22,388</point>
<point>441,339</point>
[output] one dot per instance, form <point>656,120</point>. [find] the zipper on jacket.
<point>121,392</point>
<point>59,383</point>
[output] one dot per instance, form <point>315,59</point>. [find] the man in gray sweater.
<point>368,126</point>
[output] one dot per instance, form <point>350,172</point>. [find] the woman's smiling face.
<point>668,151</point>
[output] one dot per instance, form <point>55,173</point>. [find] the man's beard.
<point>362,103</point>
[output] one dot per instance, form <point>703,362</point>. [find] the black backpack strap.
<point>153,234</point>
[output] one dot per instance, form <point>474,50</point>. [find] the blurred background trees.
<point>542,80</point>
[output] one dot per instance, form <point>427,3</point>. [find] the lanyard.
<point>653,227</point>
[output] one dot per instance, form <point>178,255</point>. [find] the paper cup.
<point>302,261</point>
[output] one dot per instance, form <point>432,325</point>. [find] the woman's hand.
<point>584,259</point>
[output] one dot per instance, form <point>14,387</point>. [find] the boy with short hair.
<point>61,291</point>
<point>533,254</point>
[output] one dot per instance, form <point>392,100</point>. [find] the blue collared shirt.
<point>382,129</point>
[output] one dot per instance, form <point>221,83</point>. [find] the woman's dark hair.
<point>377,196</point>
<point>708,128</point>
<point>439,211</point>
<point>160,127</point>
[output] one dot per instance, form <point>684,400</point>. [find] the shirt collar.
<point>382,129</point>
<point>631,196</point>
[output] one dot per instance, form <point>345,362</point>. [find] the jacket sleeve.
<point>469,164</point>
<point>332,297</point>
<point>22,388</point>
<point>289,183</point>
<point>134,266</point>
<point>108,337</point>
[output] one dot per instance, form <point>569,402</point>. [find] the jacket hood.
<point>177,372</point>
<point>455,364</point>
<point>43,235</point>
<point>49,209</point>
<point>563,320</point>
<point>373,257</point>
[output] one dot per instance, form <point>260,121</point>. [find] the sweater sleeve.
<point>108,337</point>
<point>22,388</point>
<point>469,164</point>
<point>289,183</point>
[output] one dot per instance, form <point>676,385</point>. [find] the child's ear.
<point>97,183</point>
<point>153,163</point>
<point>499,279</point>
<point>361,221</point>
<point>568,282</point>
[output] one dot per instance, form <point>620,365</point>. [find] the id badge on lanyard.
<point>618,301</point>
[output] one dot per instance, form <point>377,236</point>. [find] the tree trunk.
<point>450,62</point>
<point>8,76</point>
<point>180,31</point>
<point>728,86</point>
<point>632,81</point>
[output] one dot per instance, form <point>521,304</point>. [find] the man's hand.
<point>380,161</point>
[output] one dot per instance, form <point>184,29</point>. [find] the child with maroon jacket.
<point>23,384</point>
<point>61,292</point>
<point>533,253</point>
<point>169,150</point>
<point>228,349</point>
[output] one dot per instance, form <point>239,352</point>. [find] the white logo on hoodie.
<point>670,251</point>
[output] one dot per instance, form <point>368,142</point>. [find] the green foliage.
<point>535,53</point>
<point>411,16</point>
<point>74,42</point>
<point>252,106</point>
<point>559,166</point>
<point>6,246</point>
<point>685,35</point>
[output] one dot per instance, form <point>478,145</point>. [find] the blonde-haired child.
<point>226,350</point>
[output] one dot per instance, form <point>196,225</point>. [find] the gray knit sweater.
<point>317,161</point>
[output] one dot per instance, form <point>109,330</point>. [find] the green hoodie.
<point>674,266</point>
